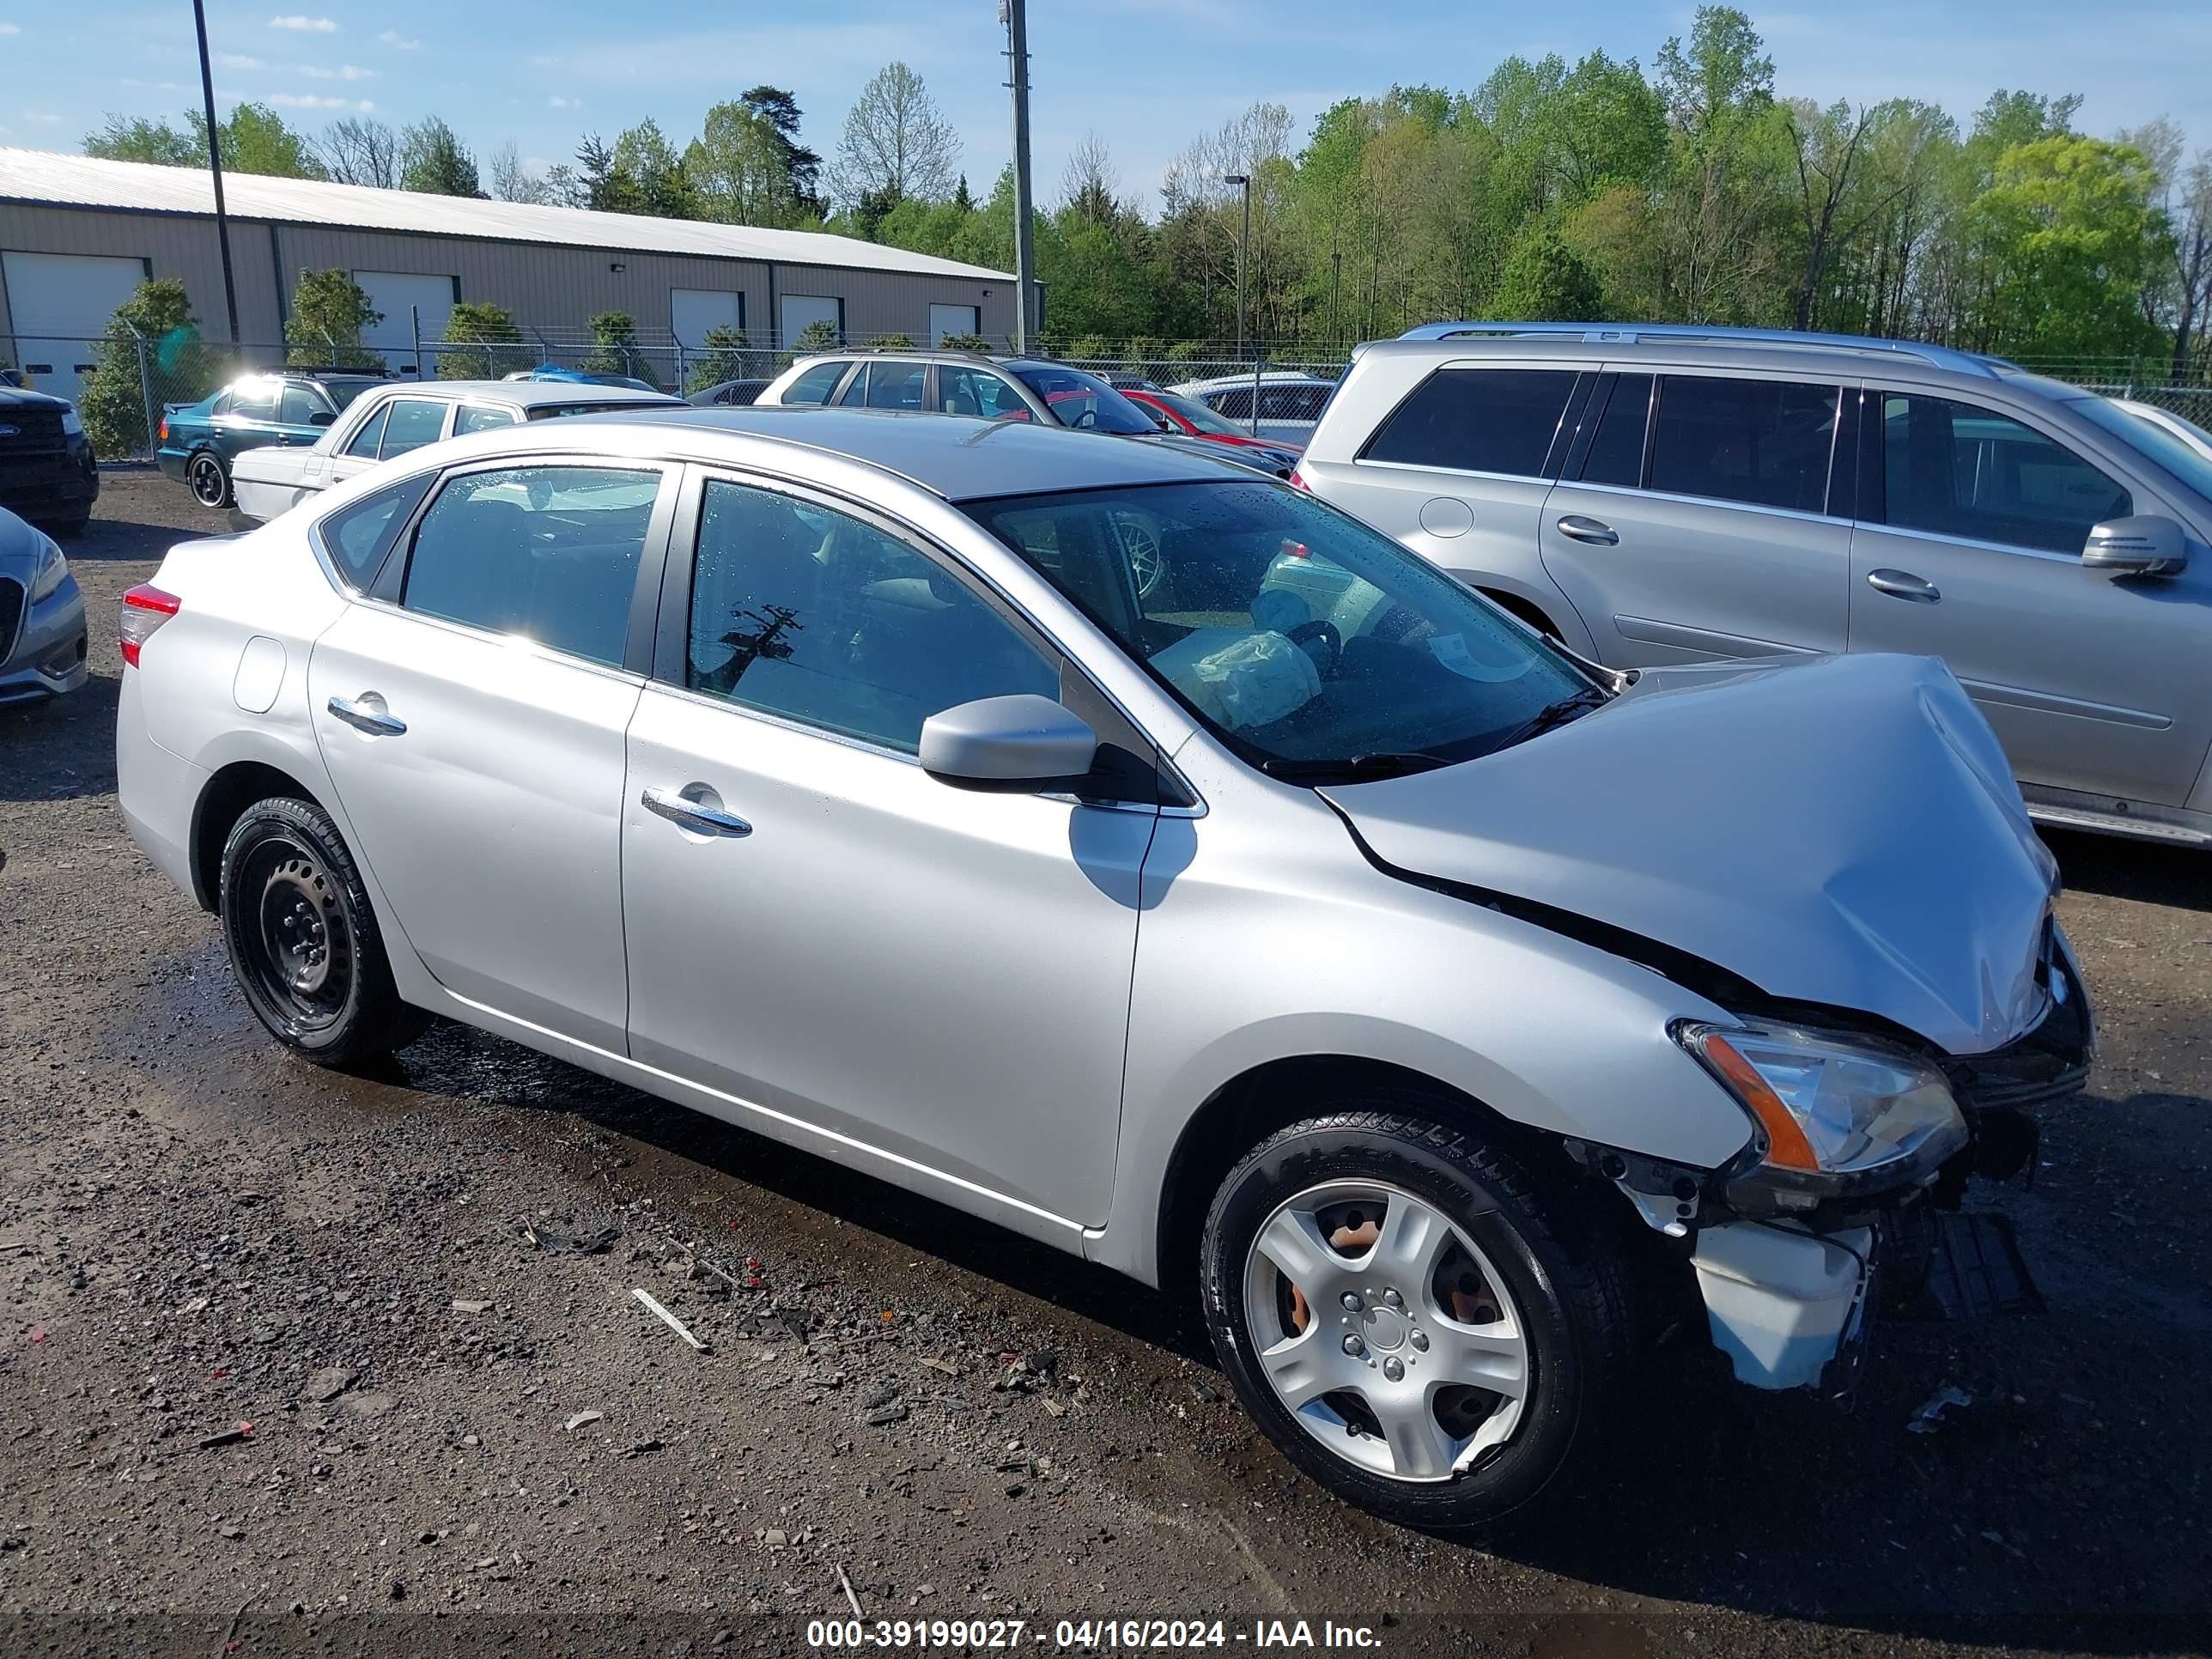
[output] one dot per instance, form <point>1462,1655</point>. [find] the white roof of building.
<point>43,176</point>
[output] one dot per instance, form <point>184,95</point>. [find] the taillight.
<point>165,428</point>
<point>145,608</point>
<point>1299,479</point>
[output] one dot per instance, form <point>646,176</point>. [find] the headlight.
<point>51,571</point>
<point>72,422</point>
<point>1836,1113</point>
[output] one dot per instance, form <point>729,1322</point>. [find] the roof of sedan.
<point>952,455</point>
<point>532,394</point>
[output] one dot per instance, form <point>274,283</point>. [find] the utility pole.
<point>1244,250</point>
<point>215,169</point>
<point>1011,14</point>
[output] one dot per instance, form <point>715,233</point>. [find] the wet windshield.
<point>1315,647</point>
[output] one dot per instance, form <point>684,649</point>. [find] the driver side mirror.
<point>2145,544</point>
<point>321,417</point>
<point>1008,745</point>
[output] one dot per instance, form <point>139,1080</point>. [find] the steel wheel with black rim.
<point>210,479</point>
<point>1398,1312</point>
<point>302,939</point>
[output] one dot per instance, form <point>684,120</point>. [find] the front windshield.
<point>1084,400</point>
<point>2139,432</point>
<point>1200,417</point>
<point>1310,644</point>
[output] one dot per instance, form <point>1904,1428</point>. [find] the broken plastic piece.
<point>668,1320</point>
<point>1931,1415</point>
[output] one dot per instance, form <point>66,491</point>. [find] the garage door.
<point>954,319</point>
<point>60,302</point>
<point>694,312</point>
<point>393,292</point>
<point>795,311</point>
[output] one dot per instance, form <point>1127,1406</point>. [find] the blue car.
<point>198,441</point>
<point>554,372</point>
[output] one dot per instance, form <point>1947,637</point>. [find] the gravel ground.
<point>462,1441</point>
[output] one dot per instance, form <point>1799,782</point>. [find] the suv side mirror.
<point>322,418</point>
<point>1012,745</point>
<point>2143,545</point>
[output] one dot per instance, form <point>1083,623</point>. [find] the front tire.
<point>209,480</point>
<point>1395,1306</point>
<point>303,940</point>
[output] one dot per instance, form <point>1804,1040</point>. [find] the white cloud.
<point>558,102</point>
<point>10,28</point>
<point>157,86</point>
<point>315,101</point>
<point>399,42</point>
<point>342,72</point>
<point>38,117</point>
<point>239,60</point>
<point>305,25</point>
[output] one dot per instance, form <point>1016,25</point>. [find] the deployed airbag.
<point>1240,679</point>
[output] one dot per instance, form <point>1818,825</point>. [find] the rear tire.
<point>303,940</point>
<point>1469,1280</point>
<point>209,480</point>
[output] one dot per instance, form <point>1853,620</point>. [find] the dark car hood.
<point>18,397</point>
<point>1840,830</point>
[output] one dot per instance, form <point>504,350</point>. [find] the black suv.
<point>47,470</point>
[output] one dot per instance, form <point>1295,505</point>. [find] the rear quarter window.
<point>1478,419</point>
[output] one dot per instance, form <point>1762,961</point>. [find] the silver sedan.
<point>1148,857</point>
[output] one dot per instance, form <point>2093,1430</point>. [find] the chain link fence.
<point>124,384</point>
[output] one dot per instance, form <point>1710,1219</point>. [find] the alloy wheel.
<point>208,485</point>
<point>1385,1331</point>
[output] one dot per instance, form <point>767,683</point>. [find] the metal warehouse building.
<point>77,235</point>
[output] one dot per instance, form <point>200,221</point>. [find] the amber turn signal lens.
<point>1786,1145</point>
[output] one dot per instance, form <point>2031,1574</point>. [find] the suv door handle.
<point>691,815</point>
<point>1904,585</point>
<point>1579,527</point>
<point>367,720</point>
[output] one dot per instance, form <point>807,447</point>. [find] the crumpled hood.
<point>1842,831</point>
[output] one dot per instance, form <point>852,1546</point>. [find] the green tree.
<point>740,169</point>
<point>820,335</point>
<point>723,359</point>
<point>255,139</point>
<point>615,349</point>
<point>964,343</point>
<point>2075,231</point>
<point>113,404</point>
<point>329,312</point>
<point>1544,280</point>
<point>433,160</point>
<point>892,341</point>
<point>897,144</point>
<point>494,344</point>
<point>662,187</point>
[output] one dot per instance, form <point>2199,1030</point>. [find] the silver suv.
<point>1652,495</point>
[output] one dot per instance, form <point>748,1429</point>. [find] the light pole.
<point>1013,14</point>
<point>215,169</point>
<point>1243,265</point>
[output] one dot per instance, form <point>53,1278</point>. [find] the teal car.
<point>198,441</point>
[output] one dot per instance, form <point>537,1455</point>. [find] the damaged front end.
<point>1862,1147</point>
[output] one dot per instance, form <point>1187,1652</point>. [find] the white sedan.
<point>405,416</point>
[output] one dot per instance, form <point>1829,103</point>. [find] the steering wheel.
<point>1326,632</point>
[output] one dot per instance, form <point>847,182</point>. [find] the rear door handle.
<point>1904,585</point>
<point>1579,527</point>
<point>371,720</point>
<point>692,814</point>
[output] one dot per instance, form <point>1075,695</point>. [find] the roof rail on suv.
<point>1968,362</point>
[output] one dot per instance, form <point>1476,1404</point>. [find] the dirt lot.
<point>463,1442</point>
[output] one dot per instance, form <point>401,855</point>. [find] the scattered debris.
<point>668,1320</point>
<point>581,1418</point>
<point>231,1530</point>
<point>939,1363</point>
<point>885,1415</point>
<point>1055,1406</point>
<point>776,1538</point>
<point>846,1585</point>
<point>38,1333</point>
<point>1207,1393</point>
<point>227,1437</point>
<point>470,1305</point>
<point>197,1304</point>
<point>642,1448</point>
<point>327,1384</point>
<point>1931,1415</point>
<point>545,1238</point>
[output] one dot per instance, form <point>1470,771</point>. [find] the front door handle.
<point>688,814</point>
<point>1904,585</point>
<point>374,721</point>
<point>1580,527</point>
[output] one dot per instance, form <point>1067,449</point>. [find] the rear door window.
<point>413,422</point>
<point>815,384</point>
<point>480,417</point>
<point>1958,470</point>
<point>1477,420</point>
<point>364,442</point>
<point>546,553</point>
<point>1616,449</point>
<point>896,385</point>
<point>964,391</point>
<point>257,402</point>
<point>1767,443</point>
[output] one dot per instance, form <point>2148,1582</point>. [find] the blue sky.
<point>1147,75</point>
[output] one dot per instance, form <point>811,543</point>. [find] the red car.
<point>1194,419</point>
